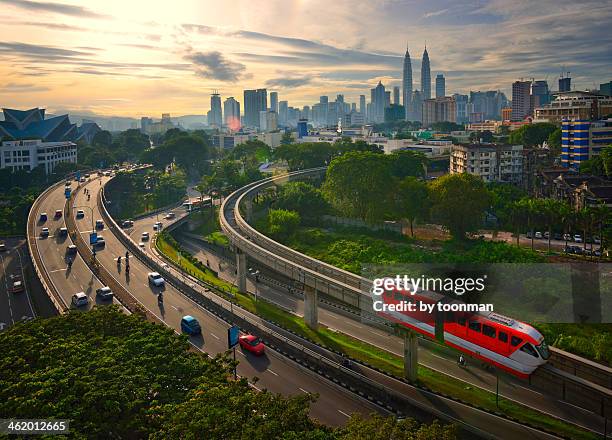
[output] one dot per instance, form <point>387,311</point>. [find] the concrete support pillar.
<point>311,311</point>
<point>410,355</point>
<point>249,209</point>
<point>241,270</point>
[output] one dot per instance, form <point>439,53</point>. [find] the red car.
<point>252,343</point>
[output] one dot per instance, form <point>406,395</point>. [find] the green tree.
<point>532,135</point>
<point>412,200</point>
<point>359,184</point>
<point>306,155</point>
<point>102,138</point>
<point>554,142</point>
<point>303,198</point>
<point>283,224</point>
<point>606,159</point>
<point>377,427</point>
<point>408,163</point>
<point>459,202</point>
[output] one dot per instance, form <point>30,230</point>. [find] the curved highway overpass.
<point>276,372</point>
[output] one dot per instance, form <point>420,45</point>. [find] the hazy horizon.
<point>133,59</point>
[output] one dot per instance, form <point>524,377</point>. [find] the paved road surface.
<point>14,307</point>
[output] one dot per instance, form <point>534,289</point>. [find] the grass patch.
<point>372,355</point>
<point>210,229</point>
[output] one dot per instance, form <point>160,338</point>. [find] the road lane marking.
<point>302,389</point>
<point>241,353</point>
<point>353,324</point>
<point>271,372</point>
<point>214,336</point>
<point>58,270</point>
<point>344,414</point>
<point>173,307</point>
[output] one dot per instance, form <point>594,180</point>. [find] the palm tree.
<point>601,216</point>
<point>518,213</point>
<point>567,217</point>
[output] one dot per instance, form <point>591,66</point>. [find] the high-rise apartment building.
<point>215,116</point>
<point>487,105</point>
<point>274,101</point>
<point>461,106</point>
<point>417,106</point>
<point>362,104</point>
<point>439,110</point>
<point>581,140</point>
<point>521,100</point>
<point>254,102</point>
<point>231,112</point>
<point>268,120</point>
<point>425,75</point>
<point>565,83</point>
<point>407,84</point>
<point>539,94</point>
<point>440,86</point>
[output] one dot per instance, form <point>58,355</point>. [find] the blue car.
<point>190,325</point>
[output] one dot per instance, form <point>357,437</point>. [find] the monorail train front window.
<point>543,350</point>
<point>528,348</point>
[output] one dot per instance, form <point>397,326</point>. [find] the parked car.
<point>63,232</point>
<point>538,235</point>
<point>252,344</point>
<point>567,237</point>
<point>557,236</point>
<point>58,213</point>
<point>43,217</point>
<point>144,236</point>
<point>99,224</point>
<point>546,235</point>
<point>127,223</point>
<point>596,240</point>
<point>529,234</point>
<point>100,241</point>
<point>190,325</point>
<point>80,213</point>
<point>79,299</point>
<point>2,247</point>
<point>105,293</point>
<point>44,232</point>
<point>578,238</point>
<point>158,226</point>
<point>71,250</point>
<point>155,279</point>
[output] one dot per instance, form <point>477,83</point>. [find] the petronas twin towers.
<point>407,84</point>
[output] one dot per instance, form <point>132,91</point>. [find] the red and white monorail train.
<point>506,343</point>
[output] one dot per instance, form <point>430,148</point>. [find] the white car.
<point>538,235</point>
<point>44,232</point>
<point>141,244</point>
<point>145,236</point>
<point>578,238</point>
<point>79,299</point>
<point>155,279</point>
<point>158,226</point>
<point>170,215</point>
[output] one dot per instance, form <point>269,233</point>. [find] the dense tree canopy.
<point>532,135</point>
<point>283,224</point>
<point>303,198</point>
<point>459,202</point>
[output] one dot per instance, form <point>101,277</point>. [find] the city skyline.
<point>137,59</point>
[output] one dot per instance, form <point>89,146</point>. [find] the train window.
<point>503,336</point>
<point>515,341</point>
<point>528,348</point>
<point>461,320</point>
<point>489,331</point>
<point>474,325</point>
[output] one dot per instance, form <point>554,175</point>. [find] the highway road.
<point>68,280</point>
<point>14,306</point>
<point>275,372</point>
<point>433,356</point>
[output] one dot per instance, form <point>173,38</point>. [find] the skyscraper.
<point>283,110</point>
<point>539,94</point>
<point>407,84</point>
<point>396,95</point>
<point>425,76</point>
<point>274,101</point>
<point>521,99</point>
<point>378,97</point>
<point>417,106</point>
<point>362,105</point>
<point>254,102</point>
<point>565,83</point>
<point>231,111</point>
<point>215,116</point>
<point>440,86</point>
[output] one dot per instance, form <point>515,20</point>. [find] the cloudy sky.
<point>135,58</point>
